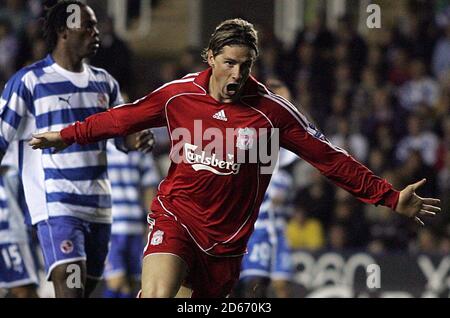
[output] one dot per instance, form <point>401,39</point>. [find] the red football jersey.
<point>209,190</point>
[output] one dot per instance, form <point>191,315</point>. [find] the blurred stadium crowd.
<point>386,100</point>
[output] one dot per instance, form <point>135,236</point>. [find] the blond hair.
<point>232,32</point>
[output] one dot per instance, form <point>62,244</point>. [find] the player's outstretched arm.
<point>413,206</point>
<point>50,139</point>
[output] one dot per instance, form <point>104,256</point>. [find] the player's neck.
<point>212,90</point>
<point>68,60</point>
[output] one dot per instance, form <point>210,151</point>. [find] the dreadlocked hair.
<point>56,20</point>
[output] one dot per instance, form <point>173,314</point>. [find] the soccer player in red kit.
<point>203,214</point>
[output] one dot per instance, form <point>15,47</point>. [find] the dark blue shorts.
<point>267,256</point>
<point>125,256</point>
<point>17,267</point>
<point>66,239</point>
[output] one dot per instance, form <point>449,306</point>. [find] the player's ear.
<point>62,33</point>
<point>210,58</point>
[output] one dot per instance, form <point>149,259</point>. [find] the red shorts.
<point>208,276</point>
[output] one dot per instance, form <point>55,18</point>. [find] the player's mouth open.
<point>232,88</point>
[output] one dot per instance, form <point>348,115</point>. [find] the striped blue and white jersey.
<point>44,97</point>
<point>275,208</point>
<point>12,223</point>
<point>130,174</point>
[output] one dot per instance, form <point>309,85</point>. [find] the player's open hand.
<point>50,139</point>
<point>413,206</point>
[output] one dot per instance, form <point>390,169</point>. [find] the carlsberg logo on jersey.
<point>210,163</point>
<point>224,150</point>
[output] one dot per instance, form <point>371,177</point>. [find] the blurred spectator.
<point>442,13</point>
<point>167,73</point>
<point>30,47</point>
<point>363,96</point>
<point>426,242</point>
<point>337,237</point>
<point>189,62</point>
<point>303,174</point>
<point>419,30</point>
<point>443,177</point>
<point>378,161</point>
<point>348,213</point>
<point>18,13</point>
<point>420,91</point>
<point>314,75</point>
<point>346,33</point>
<point>444,145</point>
<point>383,138</point>
<point>377,61</point>
<point>444,246</point>
<point>38,51</point>
<point>442,108</point>
<point>414,168</point>
<point>318,198</point>
<point>341,53</point>
<point>418,139</point>
<point>398,72</point>
<point>304,67</point>
<point>356,45</point>
<point>114,55</point>
<point>441,56</point>
<point>387,230</point>
<point>8,50</point>
<point>316,35</point>
<point>339,110</point>
<point>383,113</point>
<point>279,87</point>
<point>355,143</point>
<point>344,83</point>
<point>269,65</point>
<point>319,36</point>
<point>383,109</point>
<point>303,231</point>
<point>36,7</point>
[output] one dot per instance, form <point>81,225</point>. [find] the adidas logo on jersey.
<point>220,116</point>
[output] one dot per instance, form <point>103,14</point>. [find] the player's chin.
<point>233,98</point>
<point>232,94</point>
<point>91,50</point>
<point>229,96</point>
<point>91,53</point>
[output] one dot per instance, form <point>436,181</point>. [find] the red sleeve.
<point>122,120</point>
<point>301,137</point>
